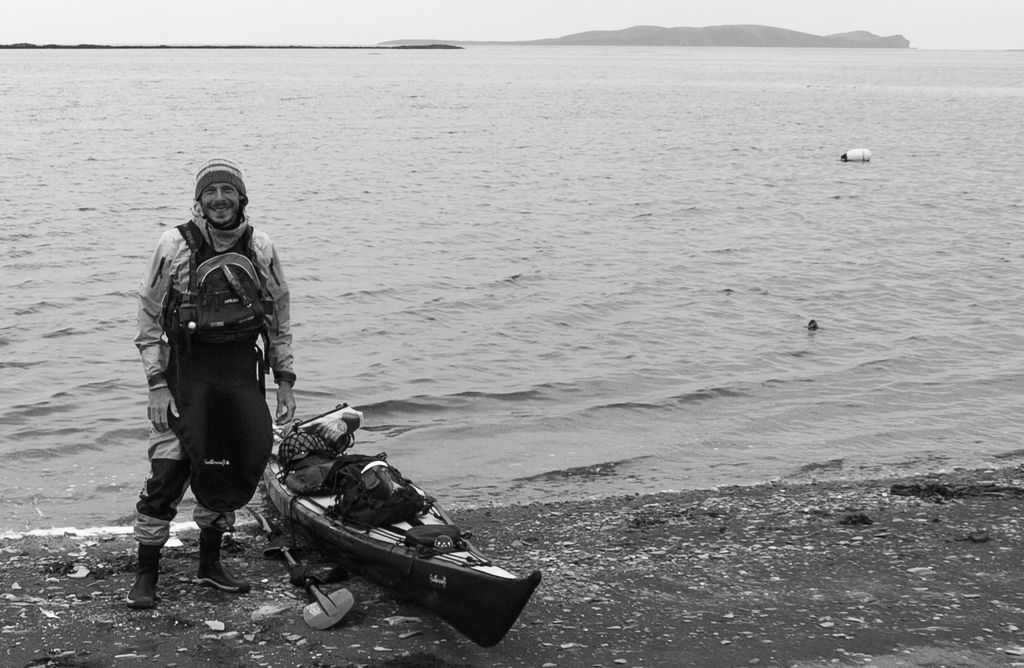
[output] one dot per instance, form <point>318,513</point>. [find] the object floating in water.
<point>856,155</point>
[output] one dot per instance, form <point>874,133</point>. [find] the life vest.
<point>226,299</point>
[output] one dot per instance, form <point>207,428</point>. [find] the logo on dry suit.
<point>217,462</point>
<point>438,581</point>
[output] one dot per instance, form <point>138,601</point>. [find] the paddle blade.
<point>278,545</point>
<point>328,609</point>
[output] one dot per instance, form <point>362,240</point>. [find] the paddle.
<point>327,609</point>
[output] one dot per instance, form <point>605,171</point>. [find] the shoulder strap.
<point>246,242</point>
<point>197,244</point>
<point>193,236</point>
<point>248,248</point>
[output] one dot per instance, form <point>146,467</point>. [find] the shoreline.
<point>778,574</point>
<point>812,476</point>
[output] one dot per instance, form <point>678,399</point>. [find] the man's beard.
<point>226,226</point>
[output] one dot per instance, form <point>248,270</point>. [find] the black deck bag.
<point>436,538</point>
<point>374,493</point>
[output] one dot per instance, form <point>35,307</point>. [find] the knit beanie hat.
<point>219,170</point>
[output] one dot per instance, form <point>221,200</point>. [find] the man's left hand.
<point>285,403</point>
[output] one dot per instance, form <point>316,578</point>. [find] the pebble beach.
<point>921,571</point>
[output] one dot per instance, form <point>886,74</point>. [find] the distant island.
<point>25,45</point>
<point>732,35</point>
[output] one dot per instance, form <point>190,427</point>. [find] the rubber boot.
<point>143,593</point>
<point>211,572</point>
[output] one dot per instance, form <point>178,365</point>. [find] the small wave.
<point>70,447</point>
<point>590,471</point>
<point>124,435</point>
<point>516,397</point>
<point>871,365</point>
<point>75,532</point>
<point>708,394</point>
<point>120,294</point>
<point>59,333</point>
<point>391,430</point>
<point>23,412</point>
<point>672,402</point>
<point>421,404</point>
<point>628,406</point>
<point>361,295</point>
<point>830,466</point>
<point>37,308</point>
<point>514,279</point>
<point>17,365</point>
<point>429,404</point>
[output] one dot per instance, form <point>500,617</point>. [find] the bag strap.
<point>193,236</point>
<point>249,249</point>
<point>235,285</point>
<point>196,244</point>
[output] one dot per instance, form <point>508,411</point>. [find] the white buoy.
<point>856,155</point>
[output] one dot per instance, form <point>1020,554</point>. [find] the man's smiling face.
<point>221,203</point>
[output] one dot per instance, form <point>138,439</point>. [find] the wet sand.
<point>818,574</point>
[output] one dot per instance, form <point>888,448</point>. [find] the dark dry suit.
<point>225,426</point>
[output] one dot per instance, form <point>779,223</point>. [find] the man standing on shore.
<point>214,289</point>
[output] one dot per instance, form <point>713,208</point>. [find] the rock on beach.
<point>868,573</point>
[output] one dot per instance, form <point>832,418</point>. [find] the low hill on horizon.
<point>728,35</point>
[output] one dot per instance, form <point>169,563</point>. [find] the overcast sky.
<point>928,24</point>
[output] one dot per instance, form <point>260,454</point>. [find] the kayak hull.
<point>479,599</point>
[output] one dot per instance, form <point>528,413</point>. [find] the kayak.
<point>478,598</point>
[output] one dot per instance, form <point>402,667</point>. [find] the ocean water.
<point>542,272</point>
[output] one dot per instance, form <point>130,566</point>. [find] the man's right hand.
<point>160,401</point>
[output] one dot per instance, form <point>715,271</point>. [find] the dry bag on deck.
<point>374,493</point>
<point>314,475</point>
<point>310,453</point>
